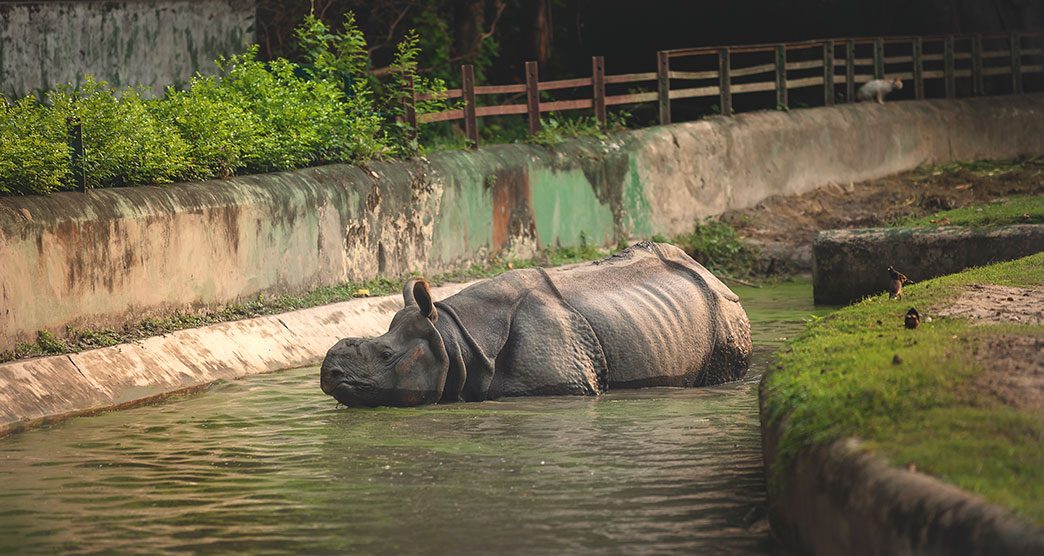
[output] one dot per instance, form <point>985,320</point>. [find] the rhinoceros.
<point>647,316</point>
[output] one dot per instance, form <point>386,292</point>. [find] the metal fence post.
<point>725,80</point>
<point>533,96</point>
<point>663,84</point>
<point>1015,50</point>
<point>850,70</point>
<point>879,58</point>
<point>977,82</point>
<point>828,73</point>
<point>74,134</point>
<point>409,103</point>
<point>467,75</point>
<point>918,67</point>
<point>951,89</point>
<point>781,78</point>
<point>598,88</point>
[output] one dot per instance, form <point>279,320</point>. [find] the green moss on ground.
<point>78,339</point>
<point>1021,209</point>
<point>859,372</point>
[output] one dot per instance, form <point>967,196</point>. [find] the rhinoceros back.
<point>661,318</point>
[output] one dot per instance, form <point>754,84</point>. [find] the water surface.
<point>270,464</point>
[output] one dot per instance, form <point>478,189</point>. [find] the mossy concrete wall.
<point>848,265</point>
<point>152,43</point>
<point>103,258</point>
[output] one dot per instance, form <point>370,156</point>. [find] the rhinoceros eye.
<point>387,354</point>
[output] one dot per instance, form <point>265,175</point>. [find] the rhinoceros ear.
<point>416,293</point>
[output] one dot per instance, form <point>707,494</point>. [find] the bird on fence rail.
<point>895,283</point>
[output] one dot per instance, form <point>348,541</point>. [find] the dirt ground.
<point>1014,363</point>
<point>783,227</point>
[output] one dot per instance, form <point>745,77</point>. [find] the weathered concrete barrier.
<point>46,389</point>
<point>848,265</point>
<point>840,499</point>
<point>152,43</point>
<point>101,259</point>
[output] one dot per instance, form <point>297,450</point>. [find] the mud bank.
<point>886,437</point>
<point>844,500</point>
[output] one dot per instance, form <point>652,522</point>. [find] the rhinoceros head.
<point>406,366</point>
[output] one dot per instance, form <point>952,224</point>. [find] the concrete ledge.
<point>48,389</point>
<point>848,265</point>
<point>840,499</point>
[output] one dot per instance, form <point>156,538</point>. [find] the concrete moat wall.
<point>153,43</point>
<point>850,264</point>
<point>109,256</point>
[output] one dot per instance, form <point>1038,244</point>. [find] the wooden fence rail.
<point>739,70</point>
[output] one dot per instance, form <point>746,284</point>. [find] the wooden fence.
<point>834,65</point>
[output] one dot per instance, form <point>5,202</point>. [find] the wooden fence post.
<point>663,84</point>
<point>467,80</point>
<point>879,58</point>
<point>1015,50</point>
<point>977,82</point>
<point>828,73</point>
<point>409,103</point>
<point>74,134</point>
<point>850,70</point>
<point>918,67</point>
<point>950,84</point>
<point>598,88</point>
<point>781,78</point>
<point>725,80</point>
<point>533,96</point>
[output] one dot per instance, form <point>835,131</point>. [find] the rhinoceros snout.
<point>332,374</point>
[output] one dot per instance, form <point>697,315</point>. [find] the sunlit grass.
<point>1020,209</point>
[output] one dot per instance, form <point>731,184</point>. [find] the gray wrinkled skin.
<point>648,316</point>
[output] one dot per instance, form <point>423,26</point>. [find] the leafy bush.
<point>252,116</point>
<point>34,155</point>
<point>221,135</point>
<point>124,142</point>
<point>718,246</point>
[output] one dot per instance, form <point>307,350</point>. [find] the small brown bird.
<point>913,318</point>
<point>895,284</point>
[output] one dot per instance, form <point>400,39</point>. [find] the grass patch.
<point>79,339</point>
<point>1021,209</point>
<point>717,246</point>
<point>858,372</point>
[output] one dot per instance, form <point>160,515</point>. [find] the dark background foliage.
<point>499,35</point>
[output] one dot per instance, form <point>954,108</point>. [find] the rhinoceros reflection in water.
<point>647,316</point>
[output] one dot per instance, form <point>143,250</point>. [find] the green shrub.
<point>124,142</point>
<point>718,246</point>
<point>34,155</point>
<point>252,116</point>
<point>221,135</point>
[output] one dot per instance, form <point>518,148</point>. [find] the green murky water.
<point>270,464</point>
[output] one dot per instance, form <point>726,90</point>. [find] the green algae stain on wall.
<point>637,218</point>
<point>464,228</point>
<point>566,206</point>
